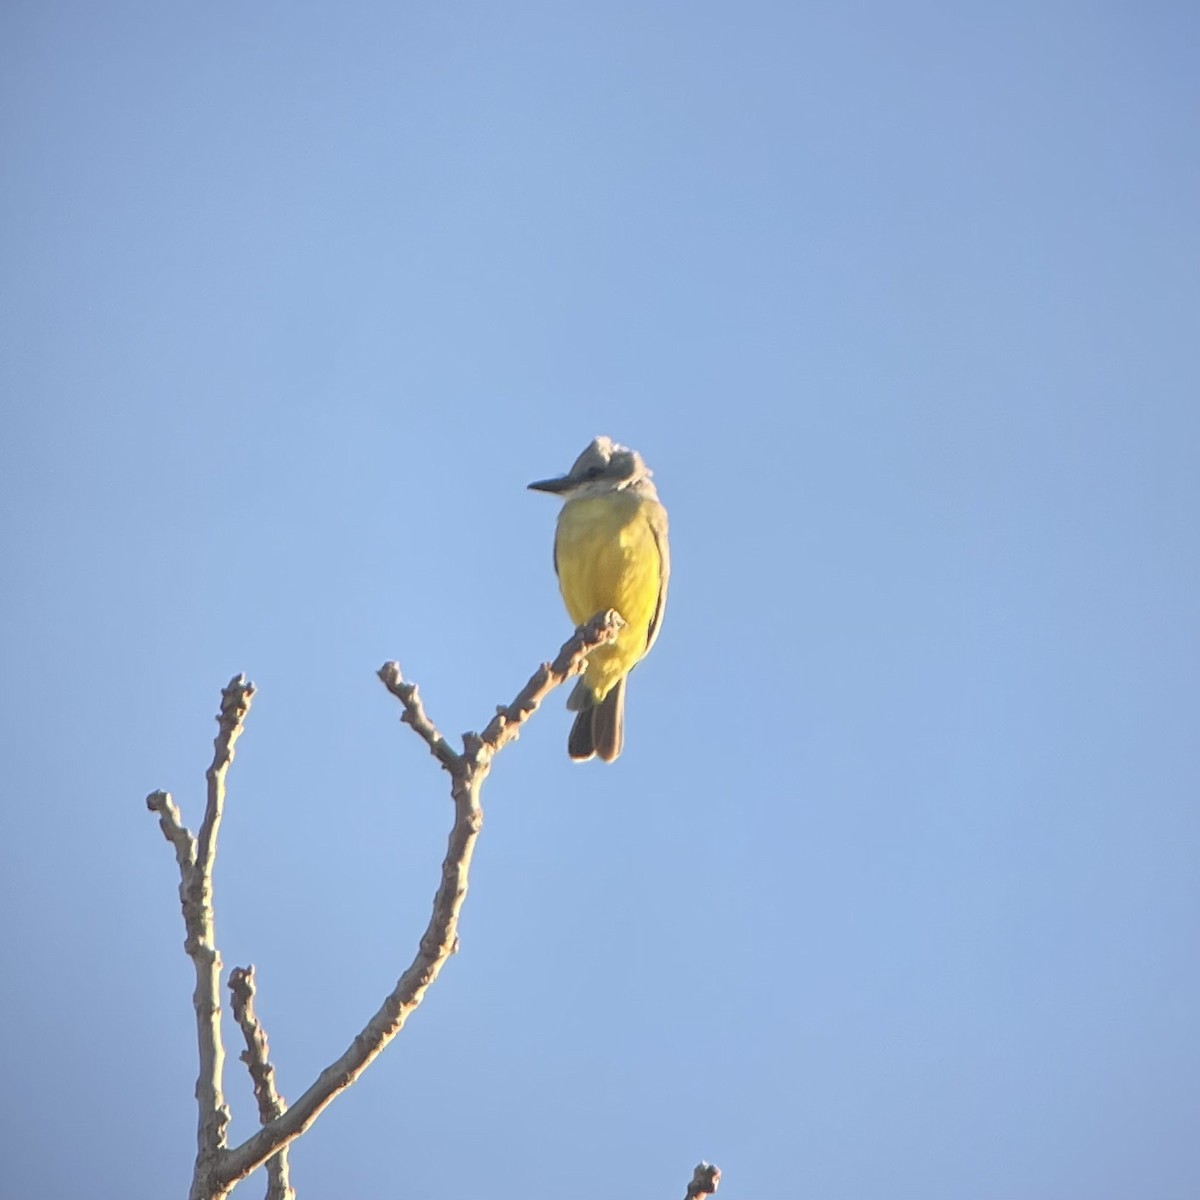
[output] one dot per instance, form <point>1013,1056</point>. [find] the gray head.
<point>604,466</point>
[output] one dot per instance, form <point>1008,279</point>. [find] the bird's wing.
<point>658,526</point>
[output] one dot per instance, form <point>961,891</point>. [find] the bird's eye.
<point>592,472</point>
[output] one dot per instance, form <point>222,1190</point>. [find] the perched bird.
<point>610,551</point>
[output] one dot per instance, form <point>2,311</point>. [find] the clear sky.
<point>894,892</point>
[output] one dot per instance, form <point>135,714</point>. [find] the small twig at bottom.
<point>705,1179</point>
<point>256,1056</point>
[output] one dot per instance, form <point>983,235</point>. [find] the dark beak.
<point>551,485</point>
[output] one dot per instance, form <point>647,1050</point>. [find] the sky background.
<point>894,891</point>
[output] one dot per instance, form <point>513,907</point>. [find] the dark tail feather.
<point>608,723</point>
<point>599,729</point>
<point>580,743</point>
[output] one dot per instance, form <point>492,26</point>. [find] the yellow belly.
<point>607,556</point>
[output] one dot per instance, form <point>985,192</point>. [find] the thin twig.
<point>414,714</point>
<point>572,658</point>
<point>705,1179</point>
<point>170,821</point>
<point>256,1056</point>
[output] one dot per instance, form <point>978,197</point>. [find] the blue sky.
<point>894,890</point>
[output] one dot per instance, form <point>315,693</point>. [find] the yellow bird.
<point>610,551</point>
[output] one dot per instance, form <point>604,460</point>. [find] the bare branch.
<point>235,704</point>
<point>214,1114</point>
<point>468,771</point>
<point>171,823</point>
<point>256,1056</point>
<point>414,714</point>
<point>705,1179</point>
<point>219,1167</point>
<point>572,658</point>
<point>195,857</point>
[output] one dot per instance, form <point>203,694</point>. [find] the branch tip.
<point>705,1180</point>
<point>238,690</point>
<point>390,675</point>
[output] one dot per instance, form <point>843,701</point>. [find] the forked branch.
<point>218,1166</point>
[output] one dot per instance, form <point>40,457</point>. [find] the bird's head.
<point>604,466</point>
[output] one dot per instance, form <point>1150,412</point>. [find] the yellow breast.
<point>607,555</point>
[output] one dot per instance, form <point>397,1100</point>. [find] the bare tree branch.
<point>505,726</point>
<point>195,857</point>
<point>256,1056</point>
<point>468,771</point>
<point>171,823</point>
<point>415,716</point>
<point>705,1179</point>
<point>219,1167</point>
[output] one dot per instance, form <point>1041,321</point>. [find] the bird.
<point>610,552</point>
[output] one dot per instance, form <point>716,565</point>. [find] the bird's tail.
<point>599,729</point>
